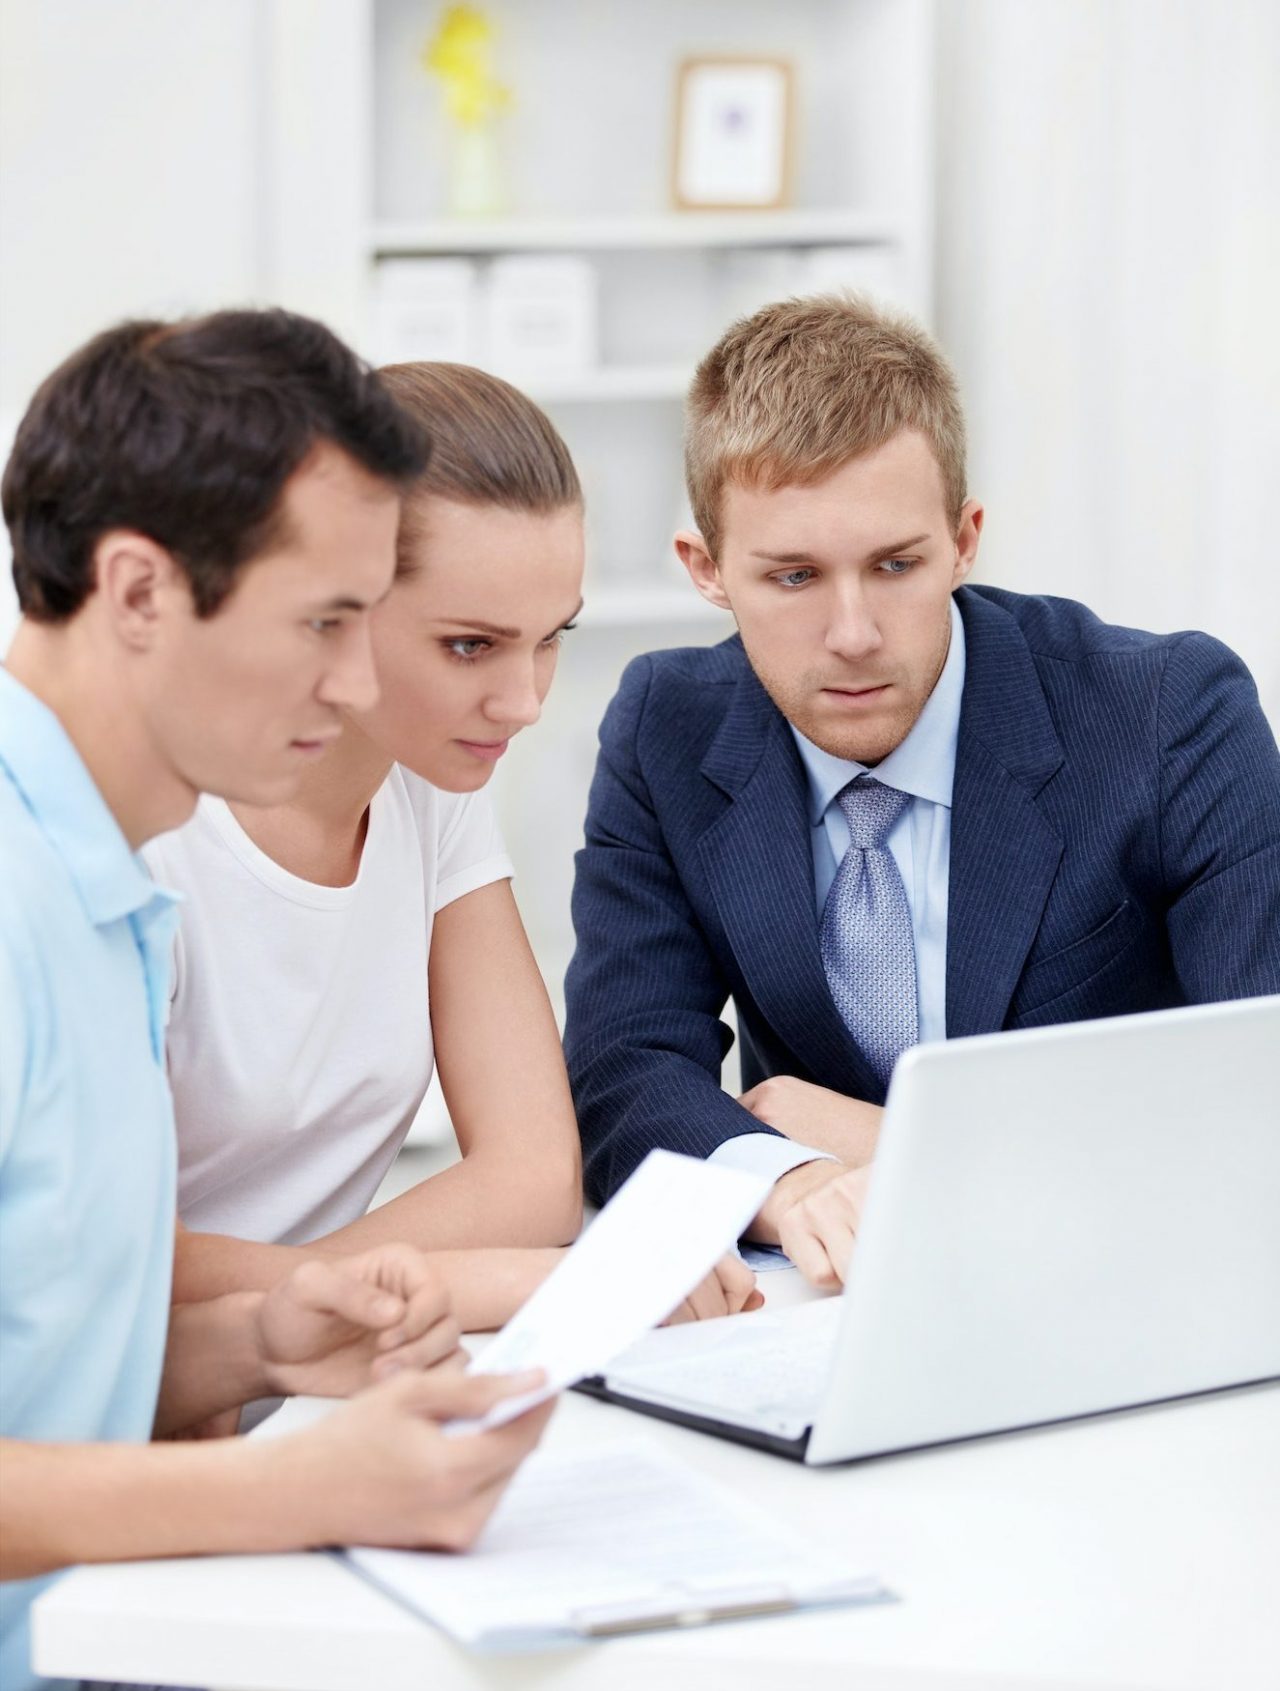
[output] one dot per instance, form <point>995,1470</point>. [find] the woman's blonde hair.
<point>789,395</point>
<point>490,445</point>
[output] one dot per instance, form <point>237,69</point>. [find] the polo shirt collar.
<point>924,765</point>
<point>61,795</point>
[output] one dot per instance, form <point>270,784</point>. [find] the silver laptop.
<point>1061,1222</point>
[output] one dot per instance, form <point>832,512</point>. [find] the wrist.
<point>262,1497</point>
<point>787,1190</point>
<point>213,1361</point>
<point>517,1274</point>
<point>251,1365</point>
<point>289,1509</point>
<point>545,1259</point>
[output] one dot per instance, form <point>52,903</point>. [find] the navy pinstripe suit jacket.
<point>1115,846</point>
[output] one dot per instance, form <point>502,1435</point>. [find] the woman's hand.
<point>333,1325</point>
<point>729,1289</point>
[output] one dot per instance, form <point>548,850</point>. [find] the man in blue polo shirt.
<point>202,515</point>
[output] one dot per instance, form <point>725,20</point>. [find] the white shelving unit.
<point>357,151</point>
<point>610,383</point>
<point>818,227</point>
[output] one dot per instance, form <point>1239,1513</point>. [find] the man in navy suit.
<point>892,807</point>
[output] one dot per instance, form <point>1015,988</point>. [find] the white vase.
<point>475,179</point>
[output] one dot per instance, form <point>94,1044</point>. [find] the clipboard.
<point>611,1540</point>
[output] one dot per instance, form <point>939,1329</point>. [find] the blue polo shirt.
<point>86,1126</point>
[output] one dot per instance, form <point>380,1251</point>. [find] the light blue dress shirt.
<point>923,765</point>
<point>87,1153</point>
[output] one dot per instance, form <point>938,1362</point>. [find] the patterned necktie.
<point>868,947</point>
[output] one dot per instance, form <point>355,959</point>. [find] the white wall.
<point>1109,258</point>
<point>129,176</point>
<point>1109,286</point>
<point>128,168</point>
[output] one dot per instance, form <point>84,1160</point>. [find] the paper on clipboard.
<point>646,1250</point>
<point>617,1538</point>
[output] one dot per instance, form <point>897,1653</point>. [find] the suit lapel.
<point>759,861</point>
<point>1004,854</point>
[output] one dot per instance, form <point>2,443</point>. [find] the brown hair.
<point>490,445</point>
<point>188,433</point>
<point>788,396</point>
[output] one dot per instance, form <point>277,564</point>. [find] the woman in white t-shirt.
<point>333,950</point>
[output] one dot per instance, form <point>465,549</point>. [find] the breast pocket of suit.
<point>1067,972</point>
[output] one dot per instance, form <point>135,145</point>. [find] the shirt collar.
<point>924,765</point>
<point>58,790</point>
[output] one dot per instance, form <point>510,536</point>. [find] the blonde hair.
<point>490,445</point>
<point>789,395</point>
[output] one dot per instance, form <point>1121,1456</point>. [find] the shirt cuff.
<point>765,1153</point>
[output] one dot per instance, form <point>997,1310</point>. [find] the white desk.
<point>1140,1552</point>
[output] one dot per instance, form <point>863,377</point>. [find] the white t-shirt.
<point>299,1034</point>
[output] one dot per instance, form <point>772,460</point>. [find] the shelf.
<point>618,382</point>
<point>620,234</point>
<point>625,607</point>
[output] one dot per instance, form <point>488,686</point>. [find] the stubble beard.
<point>868,743</point>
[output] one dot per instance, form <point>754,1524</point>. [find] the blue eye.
<point>466,650</point>
<point>793,578</point>
<point>896,566</point>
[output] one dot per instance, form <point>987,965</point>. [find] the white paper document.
<point>617,1538</point>
<point>646,1250</point>
<point>768,1373</point>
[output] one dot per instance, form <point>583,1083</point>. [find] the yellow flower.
<point>460,54</point>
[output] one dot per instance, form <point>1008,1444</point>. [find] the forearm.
<point>502,1072</point>
<point>486,1285</point>
<point>1219,825</point>
<point>486,1201</point>
<point>209,1265</point>
<point>817,1117</point>
<point>492,1198</point>
<point>634,1100</point>
<point>213,1361</point>
<point>645,1050</point>
<point>486,1288</point>
<point>67,1504</point>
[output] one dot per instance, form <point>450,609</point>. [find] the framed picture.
<point>733,126</point>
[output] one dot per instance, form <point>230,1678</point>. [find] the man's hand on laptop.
<point>729,1289</point>
<point>813,1214</point>
<point>814,1115</point>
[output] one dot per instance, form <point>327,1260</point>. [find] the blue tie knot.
<point>871,809</point>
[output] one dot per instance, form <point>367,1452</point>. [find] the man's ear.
<point>135,578</point>
<point>968,534</point>
<point>702,567</point>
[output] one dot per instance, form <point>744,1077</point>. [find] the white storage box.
<point>541,315</point>
<point>427,308</point>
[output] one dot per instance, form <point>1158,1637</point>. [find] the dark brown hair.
<point>187,432</point>
<point>490,445</point>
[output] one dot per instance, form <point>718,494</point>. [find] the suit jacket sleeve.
<point>643,1035</point>
<point>1219,825</point>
